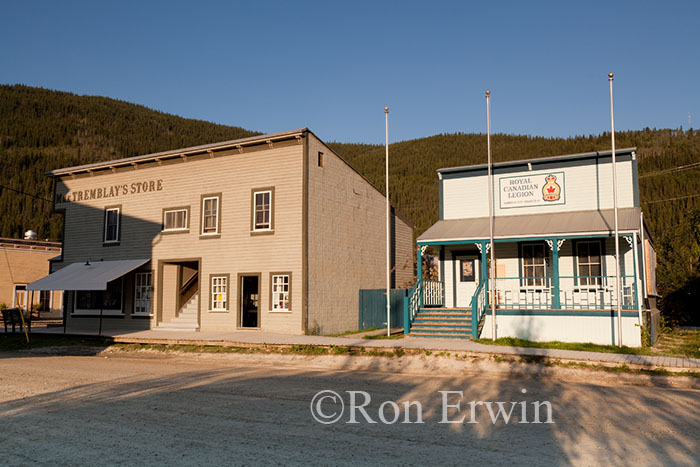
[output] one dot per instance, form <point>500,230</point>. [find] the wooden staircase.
<point>453,323</point>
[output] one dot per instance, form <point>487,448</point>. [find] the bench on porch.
<point>13,317</point>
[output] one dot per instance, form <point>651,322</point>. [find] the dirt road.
<point>197,410</point>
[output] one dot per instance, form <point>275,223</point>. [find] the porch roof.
<point>572,223</point>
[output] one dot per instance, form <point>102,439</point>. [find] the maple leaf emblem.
<point>551,189</point>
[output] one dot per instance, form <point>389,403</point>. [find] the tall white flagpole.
<point>492,267</point>
<point>388,229</point>
<point>618,290</point>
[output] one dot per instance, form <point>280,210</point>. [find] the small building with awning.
<point>555,275</point>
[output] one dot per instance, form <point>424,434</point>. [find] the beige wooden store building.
<point>273,232</point>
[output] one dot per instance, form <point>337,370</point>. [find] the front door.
<point>466,279</point>
<point>250,301</point>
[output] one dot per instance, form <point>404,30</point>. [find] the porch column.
<point>419,274</point>
<point>556,302</point>
<point>484,266</point>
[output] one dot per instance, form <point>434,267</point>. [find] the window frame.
<point>578,278</point>
<point>272,292</point>
<point>107,209</point>
<point>184,229</point>
<point>227,293</point>
<point>96,311</point>
<point>14,296</point>
<point>149,300</point>
<point>320,160</point>
<point>254,229</point>
<point>217,232</point>
<point>533,281</point>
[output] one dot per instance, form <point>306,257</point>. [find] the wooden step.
<point>455,335</point>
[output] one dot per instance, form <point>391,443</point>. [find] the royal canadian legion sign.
<point>543,189</point>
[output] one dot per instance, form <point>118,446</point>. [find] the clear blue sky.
<point>333,66</point>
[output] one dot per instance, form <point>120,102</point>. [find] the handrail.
<point>478,304</point>
<point>189,282</point>
<point>187,290</point>
<point>411,305</point>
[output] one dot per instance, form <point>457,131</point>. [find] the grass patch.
<point>677,343</point>
<point>13,342</point>
<point>585,346</point>
<point>680,343</point>
<point>347,333</point>
<point>624,369</point>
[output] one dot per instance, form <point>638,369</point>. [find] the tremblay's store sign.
<point>542,189</point>
<point>110,191</point>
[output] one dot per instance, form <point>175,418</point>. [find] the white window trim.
<point>218,208</point>
<point>534,287</point>
<point>119,221</point>
<point>590,287</point>
<point>140,313</point>
<point>226,298</point>
<point>262,229</point>
<point>272,305</point>
<point>185,228</point>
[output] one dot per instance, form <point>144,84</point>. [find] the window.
<point>210,215</point>
<point>109,301</point>
<point>280,290</point>
<point>112,225</point>
<point>142,293</point>
<point>320,159</point>
<point>219,293</point>
<point>262,210</point>
<point>45,301</point>
<point>588,257</point>
<point>19,299</point>
<point>534,265</point>
<point>175,219</point>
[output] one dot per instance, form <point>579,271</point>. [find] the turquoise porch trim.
<point>520,239</point>
<point>419,275</point>
<point>556,302</point>
<point>525,312</point>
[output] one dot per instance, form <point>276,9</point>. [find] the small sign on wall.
<point>467,271</point>
<point>542,189</point>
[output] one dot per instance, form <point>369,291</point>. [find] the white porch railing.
<point>575,292</point>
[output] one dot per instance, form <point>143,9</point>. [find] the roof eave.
<point>250,140</point>
<point>538,160</point>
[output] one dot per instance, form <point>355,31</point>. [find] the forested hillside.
<point>41,130</point>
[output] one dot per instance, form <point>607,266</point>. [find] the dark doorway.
<point>250,301</point>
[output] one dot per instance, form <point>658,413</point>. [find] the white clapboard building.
<point>554,253</point>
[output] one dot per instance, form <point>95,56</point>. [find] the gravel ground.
<point>189,409</point>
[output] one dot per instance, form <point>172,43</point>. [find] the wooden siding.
<point>346,241</point>
<point>234,250</point>
<point>587,186</point>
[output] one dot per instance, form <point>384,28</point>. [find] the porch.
<point>560,288</point>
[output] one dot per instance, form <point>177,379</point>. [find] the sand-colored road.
<point>139,408</point>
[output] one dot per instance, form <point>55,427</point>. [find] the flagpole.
<point>388,228</point>
<point>492,281</point>
<point>618,290</point>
